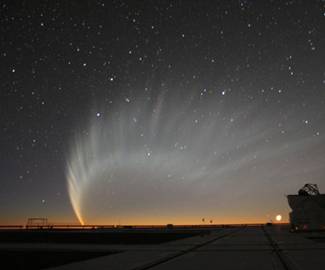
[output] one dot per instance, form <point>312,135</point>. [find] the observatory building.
<point>308,209</point>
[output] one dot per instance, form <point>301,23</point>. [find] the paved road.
<point>251,248</point>
<point>231,248</point>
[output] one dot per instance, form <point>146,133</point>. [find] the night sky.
<point>146,112</point>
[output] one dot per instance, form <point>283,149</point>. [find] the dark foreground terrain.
<point>43,248</point>
<point>97,236</point>
<point>229,247</point>
<point>41,259</point>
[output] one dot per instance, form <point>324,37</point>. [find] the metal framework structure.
<point>309,189</point>
<point>36,222</point>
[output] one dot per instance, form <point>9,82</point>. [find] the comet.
<point>162,158</point>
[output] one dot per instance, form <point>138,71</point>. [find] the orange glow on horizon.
<point>194,220</point>
<point>253,216</point>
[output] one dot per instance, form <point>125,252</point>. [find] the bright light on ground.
<point>278,218</point>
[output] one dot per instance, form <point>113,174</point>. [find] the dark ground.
<point>128,237</point>
<point>40,259</point>
<point>37,258</point>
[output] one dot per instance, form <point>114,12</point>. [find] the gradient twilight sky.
<point>149,112</point>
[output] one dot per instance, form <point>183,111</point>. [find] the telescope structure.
<point>308,209</point>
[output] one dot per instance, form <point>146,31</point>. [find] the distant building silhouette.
<point>308,209</point>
